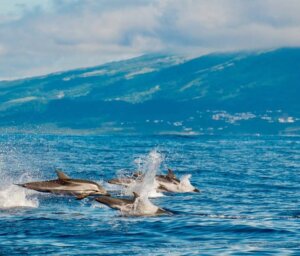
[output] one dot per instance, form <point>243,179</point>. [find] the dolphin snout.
<point>196,190</point>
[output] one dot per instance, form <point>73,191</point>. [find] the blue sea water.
<point>248,205</point>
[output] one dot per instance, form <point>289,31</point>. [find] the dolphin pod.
<point>136,206</point>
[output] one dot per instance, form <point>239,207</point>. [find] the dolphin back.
<point>41,186</point>
<point>115,203</point>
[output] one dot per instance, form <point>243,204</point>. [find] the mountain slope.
<point>247,92</point>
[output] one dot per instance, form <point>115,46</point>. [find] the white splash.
<point>143,206</point>
<point>12,196</point>
<point>146,185</point>
<point>185,184</point>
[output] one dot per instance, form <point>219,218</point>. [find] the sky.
<point>42,36</point>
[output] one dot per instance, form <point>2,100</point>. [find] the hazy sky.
<point>42,36</point>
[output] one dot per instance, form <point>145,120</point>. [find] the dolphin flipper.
<point>163,188</point>
<point>82,196</point>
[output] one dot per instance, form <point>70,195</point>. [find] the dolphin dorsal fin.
<point>61,175</point>
<point>170,174</point>
<point>135,195</point>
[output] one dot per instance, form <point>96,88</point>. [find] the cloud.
<point>67,34</point>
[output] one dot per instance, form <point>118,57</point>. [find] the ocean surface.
<point>248,205</point>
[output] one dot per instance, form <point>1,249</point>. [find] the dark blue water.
<point>249,204</point>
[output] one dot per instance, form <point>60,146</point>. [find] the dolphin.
<point>67,186</point>
<point>170,183</point>
<point>166,183</point>
<point>116,203</point>
<point>136,206</point>
<point>128,180</point>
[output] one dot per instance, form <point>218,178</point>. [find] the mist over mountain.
<point>244,92</point>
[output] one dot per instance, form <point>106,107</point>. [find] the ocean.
<point>248,204</point>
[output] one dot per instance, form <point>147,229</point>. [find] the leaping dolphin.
<point>126,182</point>
<point>136,206</point>
<point>166,183</point>
<point>67,186</point>
<point>170,183</point>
